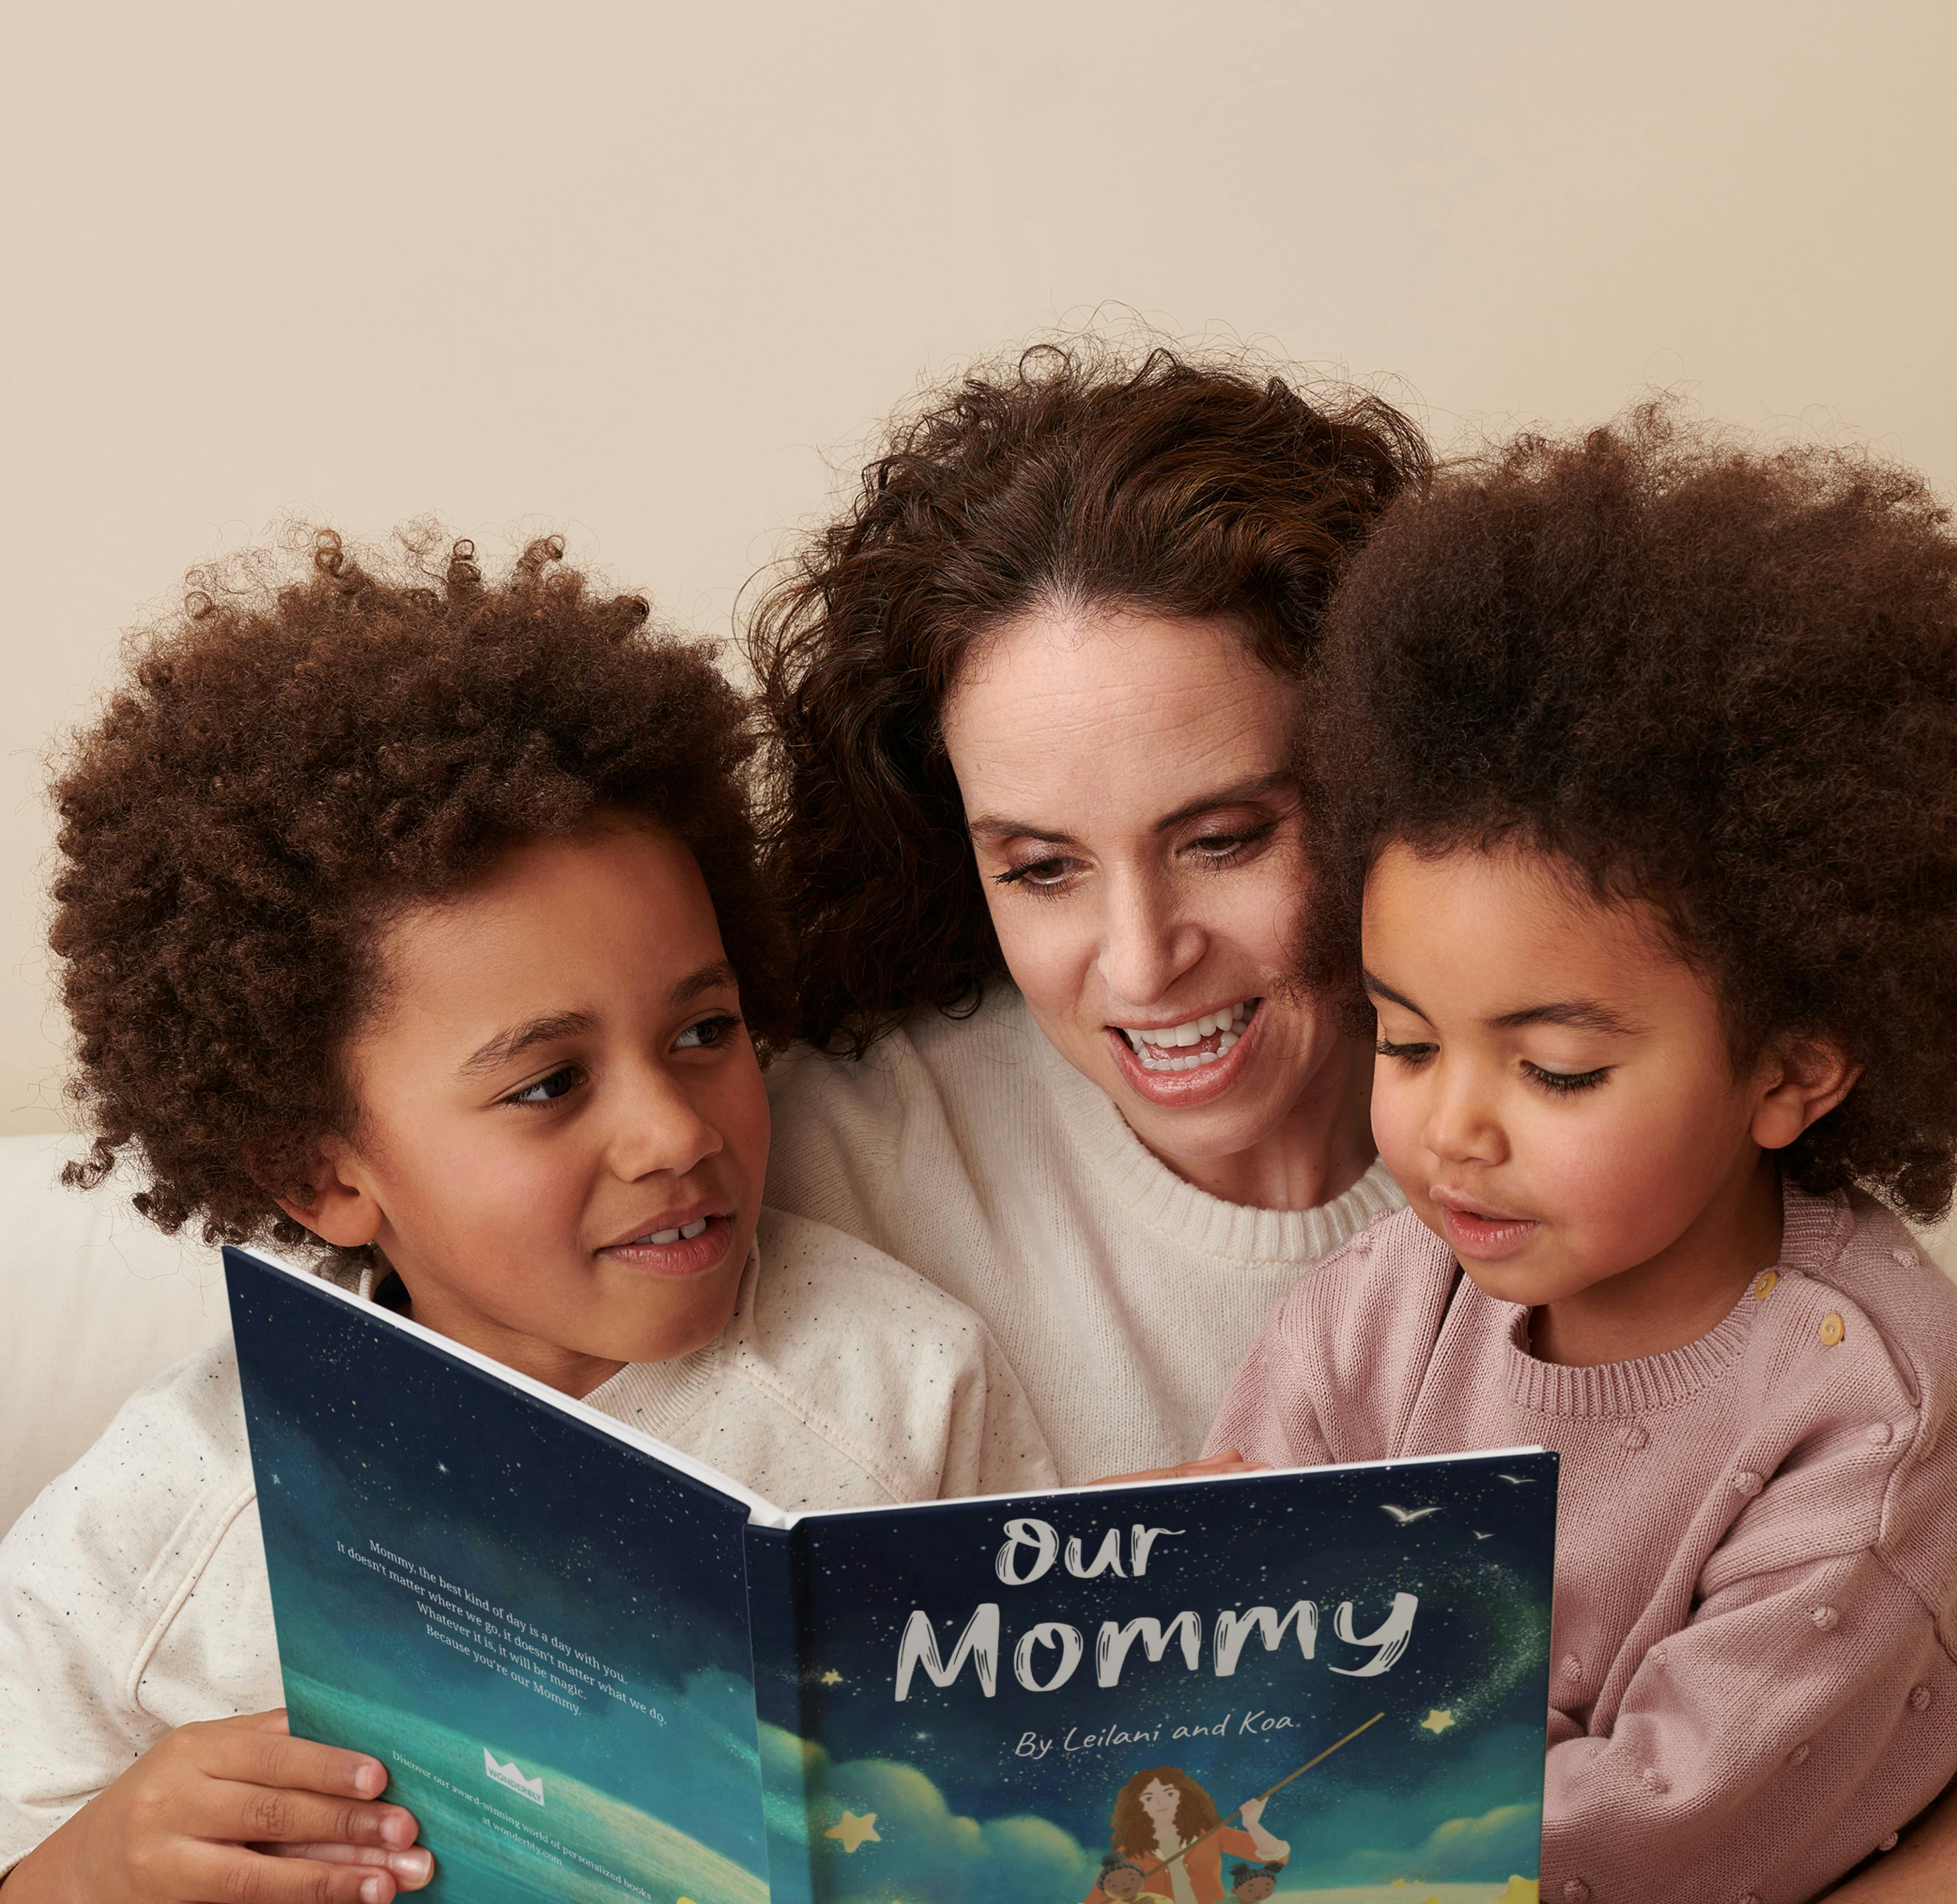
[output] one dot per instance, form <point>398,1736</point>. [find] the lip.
<point>688,1255</point>
<point>1184,1090</point>
<point>1488,1236</point>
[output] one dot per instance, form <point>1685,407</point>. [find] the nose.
<point>1461,1125</point>
<point>656,1128</point>
<point>1145,943</point>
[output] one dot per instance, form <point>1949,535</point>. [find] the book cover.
<point>598,1670</point>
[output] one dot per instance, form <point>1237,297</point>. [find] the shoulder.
<point>1851,1379</point>
<point>111,1548</point>
<point>859,1350</point>
<point>1392,1276</point>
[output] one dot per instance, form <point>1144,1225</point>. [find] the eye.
<point>1046,875</point>
<point>709,1034</point>
<point>1564,1083</point>
<point>1412,1056</point>
<point>547,1090</point>
<point>1214,851</point>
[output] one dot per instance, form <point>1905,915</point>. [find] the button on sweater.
<point>1751,1667</point>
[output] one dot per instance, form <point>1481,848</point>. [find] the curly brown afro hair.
<point>283,772</point>
<point>1071,477</point>
<point>1717,680</point>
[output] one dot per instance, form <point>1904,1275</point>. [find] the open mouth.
<point>685,1234</point>
<point>1191,1045</point>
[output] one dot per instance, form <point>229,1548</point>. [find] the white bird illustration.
<point>1481,1536</point>
<point>1518,1480</point>
<point>1403,1515</point>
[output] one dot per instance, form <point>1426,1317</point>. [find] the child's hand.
<point>234,1812</point>
<point>1228,1462</point>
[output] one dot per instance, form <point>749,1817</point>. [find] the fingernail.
<point>412,1867</point>
<point>375,1890</point>
<point>369,1779</point>
<point>398,1828</point>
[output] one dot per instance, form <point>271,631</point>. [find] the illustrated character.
<point>1123,1882</point>
<point>1252,1883</point>
<point>1165,1825</point>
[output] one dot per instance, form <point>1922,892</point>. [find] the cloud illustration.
<point>925,1852</point>
<point>1509,1836</point>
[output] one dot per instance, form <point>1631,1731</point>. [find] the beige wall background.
<point>646,274</point>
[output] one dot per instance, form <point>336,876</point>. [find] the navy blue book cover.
<point>597,1670</point>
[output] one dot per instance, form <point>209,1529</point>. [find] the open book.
<point>598,1670</point>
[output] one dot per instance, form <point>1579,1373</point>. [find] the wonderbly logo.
<point>508,1775</point>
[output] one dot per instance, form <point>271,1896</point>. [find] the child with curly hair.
<point>1635,771</point>
<point>420,929</point>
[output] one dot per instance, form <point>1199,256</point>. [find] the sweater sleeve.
<point>1335,1374</point>
<point>132,1599</point>
<point>1797,1721</point>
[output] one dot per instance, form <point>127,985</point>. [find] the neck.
<point>568,1371</point>
<point>1321,1147</point>
<point>1680,1293</point>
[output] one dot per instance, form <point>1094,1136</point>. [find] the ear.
<point>343,1210</point>
<point>1799,1081</point>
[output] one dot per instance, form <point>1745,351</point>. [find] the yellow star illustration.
<point>832,1677</point>
<point>853,1830</point>
<point>1438,1720</point>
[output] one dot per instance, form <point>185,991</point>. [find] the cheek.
<point>1048,946</point>
<point>1398,1111</point>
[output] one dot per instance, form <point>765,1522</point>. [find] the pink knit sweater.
<point>1752,1683</point>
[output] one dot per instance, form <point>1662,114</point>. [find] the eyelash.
<point>1557,1083</point>
<point>1230,848</point>
<point>720,1025</point>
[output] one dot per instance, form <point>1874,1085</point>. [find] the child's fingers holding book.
<point>183,1826</point>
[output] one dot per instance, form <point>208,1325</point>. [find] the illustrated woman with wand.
<point>1165,1823</point>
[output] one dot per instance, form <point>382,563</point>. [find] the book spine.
<point>777,1560</point>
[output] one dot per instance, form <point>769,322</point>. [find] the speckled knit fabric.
<point>133,1594</point>
<point>1752,1683</point>
<point>1122,1296</point>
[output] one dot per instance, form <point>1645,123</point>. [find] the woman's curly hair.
<point>283,772</point>
<point>1717,680</point>
<point>1071,477</point>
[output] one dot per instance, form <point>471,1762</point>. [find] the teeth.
<point>664,1236</point>
<point>1226,1027</point>
<point>686,1233</point>
<point>689,1231</point>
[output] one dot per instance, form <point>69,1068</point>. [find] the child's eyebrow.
<point>498,1051</point>
<point>1581,1015</point>
<point>708,978</point>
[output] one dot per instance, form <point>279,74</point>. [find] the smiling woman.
<point>1034,699</point>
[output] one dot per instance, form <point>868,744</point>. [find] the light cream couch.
<point>97,1301</point>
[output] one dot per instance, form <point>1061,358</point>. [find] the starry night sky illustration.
<point>1478,1651</point>
<point>362,1433</point>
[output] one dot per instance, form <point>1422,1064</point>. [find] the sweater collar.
<point>1813,1230</point>
<point>1142,1184</point>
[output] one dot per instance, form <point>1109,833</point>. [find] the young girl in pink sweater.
<point>1635,767</point>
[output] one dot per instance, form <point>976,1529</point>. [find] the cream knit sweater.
<point>1123,1296</point>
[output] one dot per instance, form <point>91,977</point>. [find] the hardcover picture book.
<point>597,1670</point>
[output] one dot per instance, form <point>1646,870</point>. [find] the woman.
<point>1034,698</point>
<point>1031,699</point>
<point>1165,1825</point>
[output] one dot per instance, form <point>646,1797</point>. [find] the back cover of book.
<point>541,1633</point>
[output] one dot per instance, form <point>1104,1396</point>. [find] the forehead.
<point>1112,714</point>
<point>1482,934</point>
<point>613,907</point>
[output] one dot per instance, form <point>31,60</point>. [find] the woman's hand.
<point>1250,1811</point>
<point>1228,1462</point>
<point>236,1811</point>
